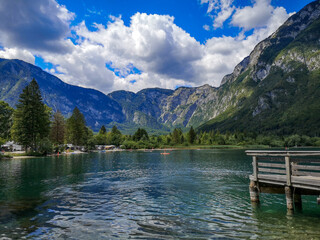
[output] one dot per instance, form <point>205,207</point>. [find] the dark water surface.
<point>189,194</point>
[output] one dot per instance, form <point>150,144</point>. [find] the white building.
<point>12,146</point>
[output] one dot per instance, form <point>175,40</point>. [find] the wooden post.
<point>254,192</point>
<point>318,200</point>
<point>288,170</point>
<point>289,197</point>
<point>255,168</point>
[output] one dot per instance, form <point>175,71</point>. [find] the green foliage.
<point>101,139</point>
<point>58,129</point>
<point>77,132</point>
<point>140,134</point>
<point>45,146</point>
<point>114,137</point>
<point>2,141</point>
<point>177,136</point>
<point>103,130</point>
<point>31,118</point>
<point>6,114</point>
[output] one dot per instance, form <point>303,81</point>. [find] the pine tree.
<point>191,135</point>
<point>176,136</point>
<point>103,130</point>
<point>31,118</point>
<point>6,114</point>
<point>76,128</point>
<point>58,129</point>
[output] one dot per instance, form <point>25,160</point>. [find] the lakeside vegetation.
<point>35,126</point>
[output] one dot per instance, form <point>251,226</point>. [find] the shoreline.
<point>196,147</point>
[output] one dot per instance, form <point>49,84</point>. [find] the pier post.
<point>289,197</point>
<point>254,192</point>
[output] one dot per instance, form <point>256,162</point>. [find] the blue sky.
<point>124,44</point>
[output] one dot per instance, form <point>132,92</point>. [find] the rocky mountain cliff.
<point>275,88</point>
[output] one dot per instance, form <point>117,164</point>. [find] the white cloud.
<point>206,27</point>
<point>16,53</point>
<point>252,17</point>
<point>219,10</point>
<point>165,54</point>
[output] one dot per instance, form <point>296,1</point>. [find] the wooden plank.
<point>306,188</point>
<point>271,159</point>
<point>271,183</point>
<point>282,153</point>
<point>305,173</point>
<point>272,165</point>
<point>276,178</point>
<point>305,167</point>
<point>272,170</point>
<point>306,180</point>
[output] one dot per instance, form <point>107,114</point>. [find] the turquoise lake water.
<point>189,194</point>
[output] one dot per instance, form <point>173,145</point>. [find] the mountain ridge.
<point>268,82</point>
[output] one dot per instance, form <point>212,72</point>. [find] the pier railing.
<point>291,169</point>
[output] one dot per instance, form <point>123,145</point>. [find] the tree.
<point>191,135</point>
<point>103,130</point>
<point>101,137</point>
<point>76,128</point>
<point>140,134</point>
<point>31,120</point>
<point>177,136</point>
<point>115,136</point>
<point>58,129</point>
<point>6,114</point>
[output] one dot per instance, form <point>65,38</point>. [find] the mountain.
<point>277,87</point>
<point>98,108</point>
<point>274,89</point>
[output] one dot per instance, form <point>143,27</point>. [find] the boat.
<point>164,153</point>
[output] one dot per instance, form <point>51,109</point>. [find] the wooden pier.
<point>293,173</point>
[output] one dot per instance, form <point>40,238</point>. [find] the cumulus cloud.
<point>165,53</point>
<point>37,24</point>
<point>15,53</point>
<point>104,58</point>
<point>254,16</point>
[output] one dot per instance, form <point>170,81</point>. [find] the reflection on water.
<point>187,194</point>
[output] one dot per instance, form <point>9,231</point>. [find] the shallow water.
<point>189,194</point>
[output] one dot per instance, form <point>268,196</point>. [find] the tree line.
<point>34,125</point>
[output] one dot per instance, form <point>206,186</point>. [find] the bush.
<point>45,147</point>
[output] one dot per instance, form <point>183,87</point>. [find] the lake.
<point>189,194</point>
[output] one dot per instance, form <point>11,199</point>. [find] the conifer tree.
<point>176,136</point>
<point>58,129</point>
<point>31,118</point>
<point>103,130</point>
<point>191,135</point>
<point>76,128</point>
<point>6,114</point>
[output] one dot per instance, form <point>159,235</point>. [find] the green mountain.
<point>98,108</point>
<point>277,88</point>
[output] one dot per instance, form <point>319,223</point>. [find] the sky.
<point>135,44</point>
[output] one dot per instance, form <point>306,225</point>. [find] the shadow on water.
<point>188,194</point>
